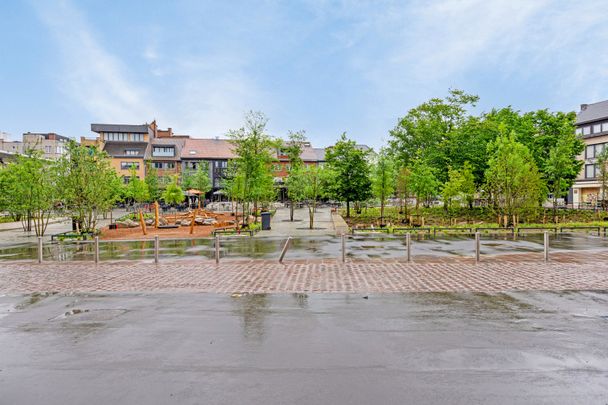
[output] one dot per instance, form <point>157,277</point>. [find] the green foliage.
<point>88,183</point>
<point>152,182</point>
<point>383,179</point>
<point>30,189</point>
<point>137,189</point>
<point>602,165</point>
<point>198,180</point>
<point>424,183</point>
<point>173,194</point>
<point>254,150</point>
<point>460,187</point>
<point>351,173</point>
<point>512,178</point>
<point>560,168</point>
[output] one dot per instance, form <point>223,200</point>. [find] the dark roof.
<point>117,149</point>
<point>177,142</point>
<point>137,129</point>
<point>592,112</point>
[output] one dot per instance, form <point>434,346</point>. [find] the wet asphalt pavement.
<point>515,348</point>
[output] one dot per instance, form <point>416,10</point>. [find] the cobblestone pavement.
<point>571,271</point>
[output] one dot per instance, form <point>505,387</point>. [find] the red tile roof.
<point>207,149</point>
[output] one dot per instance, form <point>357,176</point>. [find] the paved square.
<point>571,271</point>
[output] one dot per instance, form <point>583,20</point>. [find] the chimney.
<point>584,107</point>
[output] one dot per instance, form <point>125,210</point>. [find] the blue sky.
<point>322,66</point>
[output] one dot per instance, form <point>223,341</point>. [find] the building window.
<point>170,165</point>
<point>137,137</point>
<point>128,165</point>
<point>586,130</point>
<point>590,152</point>
<point>590,171</point>
<point>163,151</point>
<point>131,152</point>
<point>597,128</point>
<point>158,165</point>
<point>47,149</point>
<point>579,131</point>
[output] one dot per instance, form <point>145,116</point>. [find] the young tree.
<point>314,179</point>
<point>173,194</point>
<point>351,170</point>
<point>423,182</point>
<point>137,189</point>
<point>403,188</point>
<point>512,178</point>
<point>89,185</point>
<point>453,188</point>
<point>31,190</point>
<point>293,149</point>
<point>152,182</point>
<point>468,187</point>
<point>198,180</point>
<point>383,180</point>
<point>254,150</point>
<point>560,170</point>
<point>602,177</point>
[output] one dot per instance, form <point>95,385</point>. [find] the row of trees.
<point>82,185</point>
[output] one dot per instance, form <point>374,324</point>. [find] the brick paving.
<point>571,271</point>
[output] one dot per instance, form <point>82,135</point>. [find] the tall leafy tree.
<point>254,149</point>
<point>351,172</point>
<point>383,180</point>
<point>512,178</point>
<point>314,180</point>
<point>293,149</point>
<point>560,169</point>
<point>424,183</point>
<point>403,188</point>
<point>137,189</point>
<point>31,190</point>
<point>152,182</point>
<point>89,185</point>
<point>173,194</point>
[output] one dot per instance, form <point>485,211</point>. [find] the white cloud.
<point>92,76</point>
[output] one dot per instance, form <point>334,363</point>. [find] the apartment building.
<point>52,145</point>
<point>592,127</point>
<point>8,146</point>
<point>126,145</point>
<point>215,153</point>
<point>164,154</point>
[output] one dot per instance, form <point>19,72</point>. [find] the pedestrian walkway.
<point>566,271</point>
<point>283,227</point>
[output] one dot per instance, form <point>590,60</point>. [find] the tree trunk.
<point>347,209</point>
<point>291,210</point>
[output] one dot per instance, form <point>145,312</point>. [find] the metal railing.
<point>476,248</point>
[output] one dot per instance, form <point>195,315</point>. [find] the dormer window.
<point>192,152</point>
<point>163,151</point>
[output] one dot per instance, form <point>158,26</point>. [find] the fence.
<point>346,246</point>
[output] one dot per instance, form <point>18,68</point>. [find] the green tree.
<point>560,169</point>
<point>349,165</point>
<point>31,190</point>
<point>602,177</point>
<point>383,180</point>
<point>254,151</point>
<point>314,179</point>
<point>424,183</point>
<point>198,180</point>
<point>293,149</point>
<point>173,194</point>
<point>426,131</point>
<point>88,183</point>
<point>452,189</point>
<point>404,188</point>
<point>512,178</point>
<point>152,182</point>
<point>137,189</point>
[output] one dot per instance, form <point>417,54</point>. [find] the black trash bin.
<point>265,221</point>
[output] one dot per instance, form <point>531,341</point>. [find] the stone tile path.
<point>571,271</point>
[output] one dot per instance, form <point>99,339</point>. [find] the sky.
<point>325,67</point>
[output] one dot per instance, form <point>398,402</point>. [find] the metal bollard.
<point>477,246</point>
<point>96,249</point>
<point>217,249</point>
<point>343,248</point>
<point>156,248</point>
<point>546,243</point>
<point>284,249</point>
<point>408,242</point>
<point>40,249</point>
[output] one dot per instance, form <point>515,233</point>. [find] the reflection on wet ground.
<point>431,348</point>
<point>318,247</point>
